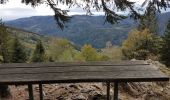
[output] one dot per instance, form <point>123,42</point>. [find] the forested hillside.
<point>28,38</point>
<point>85,29</point>
<point>81,30</point>
<point>53,48</point>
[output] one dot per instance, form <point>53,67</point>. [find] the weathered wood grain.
<point>60,69</point>
<point>70,72</point>
<point>70,64</point>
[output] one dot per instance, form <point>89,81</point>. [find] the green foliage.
<point>78,57</point>
<point>4,52</point>
<point>89,53</point>
<point>101,57</point>
<point>149,20</point>
<point>67,56</point>
<point>165,50</point>
<point>60,49</point>
<point>114,53</point>
<point>141,45</point>
<point>4,40</point>
<point>18,52</point>
<point>27,38</point>
<point>63,50</point>
<point>39,53</point>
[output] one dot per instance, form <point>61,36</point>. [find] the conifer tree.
<point>18,53</point>
<point>4,38</point>
<point>39,53</point>
<point>141,45</point>
<point>165,51</point>
<point>149,20</point>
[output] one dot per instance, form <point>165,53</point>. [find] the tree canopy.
<point>89,53</point>
<point>108,6</point>
<point>4,52</point>
<point>141,45</point>
<point>165,51</point>
<point>149,20</point>
<point>4,40</point>
<point>39,53</point>
<point>18,52</point>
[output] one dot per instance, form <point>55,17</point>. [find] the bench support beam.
<point>116,91</point>
<point>41,91</point>
<point>30,90</point>
<point>108,90</point>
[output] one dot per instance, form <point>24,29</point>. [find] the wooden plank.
<point>70,64</point>
<point>77,69</point>
<point>79,72</point>
<point>123,76</point>
<point>74,72</point>
<point>99,74</point>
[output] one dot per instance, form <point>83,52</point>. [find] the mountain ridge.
<point>84,29</point>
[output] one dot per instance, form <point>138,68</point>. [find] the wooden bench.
<point>77,72</point>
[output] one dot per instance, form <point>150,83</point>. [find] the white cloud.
<point>13,13</point>
<point>14,9</point>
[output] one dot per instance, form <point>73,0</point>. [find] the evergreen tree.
<point>39,53</point>
<point>18,52</point>
<point>141,45</point>
<point>4,38</point>
<point>165,51</point>
<point>149,20</point>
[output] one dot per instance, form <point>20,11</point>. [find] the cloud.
<point>15,9</point>
<point>13,13</point>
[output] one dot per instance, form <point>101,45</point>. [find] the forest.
<point>143,43</point>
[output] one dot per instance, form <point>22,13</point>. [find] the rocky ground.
<point>97,91</point>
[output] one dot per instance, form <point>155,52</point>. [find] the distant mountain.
<point>84,29</point>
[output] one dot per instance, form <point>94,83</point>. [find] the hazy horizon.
<point>14,9</point>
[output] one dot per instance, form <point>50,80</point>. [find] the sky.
<point>14,9</point>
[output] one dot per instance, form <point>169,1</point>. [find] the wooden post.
<point>41,91</point>
<point>116,91</point>
<point>30,90</point>
<point>108,90</point>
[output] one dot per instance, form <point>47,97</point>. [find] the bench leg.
<point>116,91</point>
<point>41,91</point>
<point>108,90</point>
<point>30,90</point>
